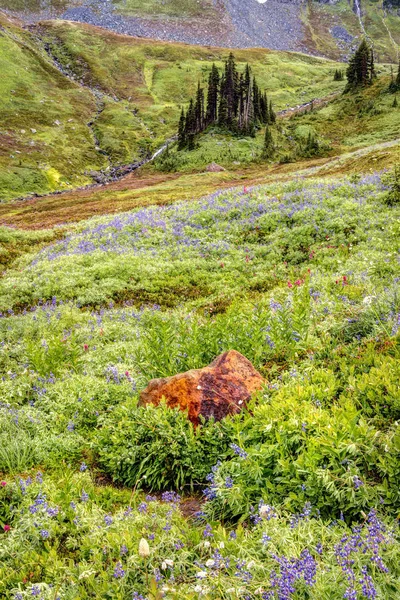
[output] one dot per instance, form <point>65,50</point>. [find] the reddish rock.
<point>221,389</point>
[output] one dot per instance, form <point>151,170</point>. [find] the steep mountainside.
<point>324,28</point>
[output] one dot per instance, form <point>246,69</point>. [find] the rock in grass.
<point>214,168</point>
<point>223,388</point>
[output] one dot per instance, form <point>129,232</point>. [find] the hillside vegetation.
<point>123,103</point>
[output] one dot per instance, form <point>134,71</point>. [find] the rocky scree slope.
<point>324,28</point>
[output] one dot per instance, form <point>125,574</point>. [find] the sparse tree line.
<point>232,101</point>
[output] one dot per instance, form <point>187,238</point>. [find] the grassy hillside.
<point>57,131</point>
<point>45,141</point>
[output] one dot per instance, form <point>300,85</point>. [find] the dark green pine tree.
<point>230,90</point>
<point>212,96</point>
<point>182,140</point>
<point>268,149</point>
<point>223,112</point>
<point>272,115</point>
<point>397,81</point>
<point>264,108</point>
<point>361,69</point>
<point>256,102</point>
<point>395,103</point>
<point>190,125</point>
<point>199,110</point>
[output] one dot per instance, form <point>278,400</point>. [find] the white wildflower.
<point>210,562</point>
<point>144,548</point>
<point>201,575</point>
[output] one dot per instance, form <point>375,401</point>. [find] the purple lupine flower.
<point>118,571</point>
<point>207,532</point>
<point>357,482</point>
<point>238,450</point>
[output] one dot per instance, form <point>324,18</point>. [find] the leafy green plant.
<point>158,448</point>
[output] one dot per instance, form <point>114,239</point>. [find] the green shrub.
<point>158,448</point>
<point>295,451</point>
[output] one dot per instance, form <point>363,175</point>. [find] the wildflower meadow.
<point>298,496</point>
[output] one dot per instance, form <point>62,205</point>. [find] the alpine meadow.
<point>199,300</point>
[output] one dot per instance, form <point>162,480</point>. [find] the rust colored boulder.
<point>223,388</point>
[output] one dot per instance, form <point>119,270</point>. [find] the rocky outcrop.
<point>214,168</point>
<point>221,389</point>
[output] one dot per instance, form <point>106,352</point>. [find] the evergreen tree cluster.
<point>361,69</point>
<point>338,75</point>
<point>233,101</point>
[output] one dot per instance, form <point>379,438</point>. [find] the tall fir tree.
<point>182,131</point>
<point>361,68</point>
<point>272,115</point>
<point>268,148</point>
<point>230,89</point>
<point>212,96</point>
<point>199,109</point>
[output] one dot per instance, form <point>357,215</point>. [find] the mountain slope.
<point>325,28</point>
<point>83,99</point>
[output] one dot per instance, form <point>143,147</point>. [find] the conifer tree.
<point>223,112</point>
<point>199,110</point>
<point>268,148</point>
<point>212,96</point>
<point>361,69</point>
<point>230,89</point>
<point>272,115</point>
<point>182,131</point>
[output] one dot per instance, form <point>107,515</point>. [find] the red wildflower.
<point>7,528</point>
<point>290,285</point>
<point>3,483</point>
<point>298,282</point>
<point>85,347</point>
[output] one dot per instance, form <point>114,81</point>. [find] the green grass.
<point>37,154</point>
<point>152,81</point>
<point>354,120</point>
